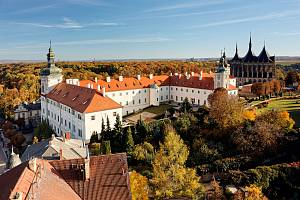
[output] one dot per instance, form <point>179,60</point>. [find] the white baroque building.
<point>80,107</point>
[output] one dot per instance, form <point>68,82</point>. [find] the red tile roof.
<point>231,87</point>
<point>109,178</point>
<point>207,82</point>
<point>81,99</point>
<point>23,180</point>
<point>64,179</point>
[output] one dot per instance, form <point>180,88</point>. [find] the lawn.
<point>158,110</point>
<point>290,105</point>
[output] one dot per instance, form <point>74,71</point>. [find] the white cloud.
<point>185,5</point>
<point>33,9</point>
<point>271,16</point>
<point>67,23</point>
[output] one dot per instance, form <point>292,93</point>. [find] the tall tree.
<point>170,176</point>
<point>141,131</point>
<point>129,143</point>
<point>185,106</point>
<point>139,186</point>
<point>225,110</point>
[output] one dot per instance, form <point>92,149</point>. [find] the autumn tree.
<point>225,110</point>
<point>253,192</point>
<point>217,190</point>
<point>139,186</point>
<point>144,152</point>
<point>171,179</point>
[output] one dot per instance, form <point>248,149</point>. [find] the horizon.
<point>117,30</point>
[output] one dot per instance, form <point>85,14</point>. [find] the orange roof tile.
<point>109,177</point>
<point>145,82</point>
<point>232,87</point>
<point>81,99</point>
<point>61,179</point>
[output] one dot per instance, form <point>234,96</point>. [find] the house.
<point>30,113</point>
<point>56,148</point>
<point>103,177</point>
<point>81,106</point>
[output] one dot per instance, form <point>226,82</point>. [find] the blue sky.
<point>128,29</point>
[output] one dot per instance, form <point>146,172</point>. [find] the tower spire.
<point>250,42</point>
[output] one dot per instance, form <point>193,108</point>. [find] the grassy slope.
<point>290,105</point>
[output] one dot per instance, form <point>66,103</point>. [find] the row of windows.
<point>57,130</point>
<point>133,102</point>
<point>192,100</point>
<point>187,90</point>
<point>126,93</point>
<point>93,117</point>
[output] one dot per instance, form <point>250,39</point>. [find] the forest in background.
<point>21,82</point>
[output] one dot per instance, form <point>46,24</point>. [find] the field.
<point>290,105</point>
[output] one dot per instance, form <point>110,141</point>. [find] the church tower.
<point>50,75</point>
<point>222,74</point>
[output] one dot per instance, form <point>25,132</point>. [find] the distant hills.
<point>278,59</point>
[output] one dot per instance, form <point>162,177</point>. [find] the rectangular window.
<point>93,117</point>
<point>139,101</point>
<point>132,92</point>
<point>161,98</point>
<point>181,89</point>
<point>120,93</point>
<point>192,91</point>
<point>167,97</point>
<point>176,89</point>
<point>181,98</point>
<point>114,113</point>
<point>79,116</point>
<point>73,112</point>
<point>79,132</point>
<point>145,100</point>
<point>126,93</point>
<point>127,103</point>
<point>156,99</point>
<point>171,96</point>
<point>70,125</point>
<point>132,102</point>
<point>74,128</point>
<point>145,91</point>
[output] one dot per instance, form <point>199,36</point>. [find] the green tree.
<point>185,106</point>
<point>141,131</point>
<point>105,147</point>
<point>171,179</point>
<point>43,131</point>
<point>129,143</point>
<point>144,152</point>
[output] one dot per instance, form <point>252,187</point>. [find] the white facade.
<point>63,118</point>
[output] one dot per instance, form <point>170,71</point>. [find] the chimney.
<point>92,86</point>
<point>171,74</point>
<point>108,79</point>
<point>60,154</point>
<point>120,78</point>
<point>188,76</point>
<point>209,71</point>
<point>201,75</point>
<point>17,196</point>
<point>98,88</point>
<point>32,164</point>
<point>78,83</point>
<point>96,80</point>
<point>68,135</point>
<point>150,76</point>
<point>103,91</point>
<point>179,75</point>
<point>138,77</point>
<point>88,85</point>
<point>176,74</point>
<point>185,73</point>
<point>193,73</point>
<point>87,165</point>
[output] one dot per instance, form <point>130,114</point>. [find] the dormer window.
<point>75,98</point>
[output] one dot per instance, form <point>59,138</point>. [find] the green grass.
<point>290,105</point>
<point>159,110</point>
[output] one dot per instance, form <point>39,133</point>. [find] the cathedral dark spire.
<point>236,56</point>
<point>50,56</point>
<point>250,42</point>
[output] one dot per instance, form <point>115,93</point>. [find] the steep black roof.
<point>250,56</point>
<point>236,56</point>
<point>264,56</point>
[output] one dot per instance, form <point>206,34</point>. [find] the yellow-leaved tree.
<point>139,186</point>
<point>171,179</point>
<point>253,192</point>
